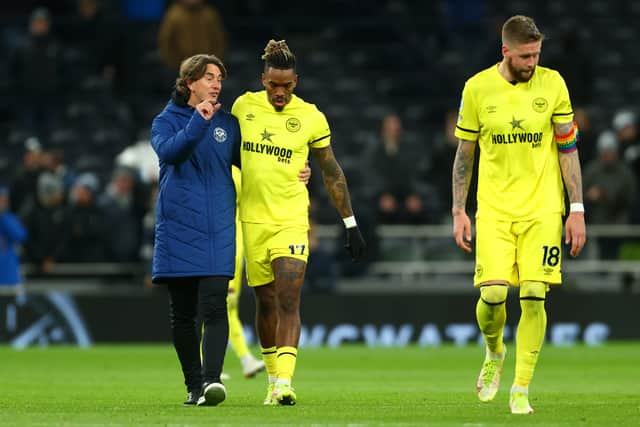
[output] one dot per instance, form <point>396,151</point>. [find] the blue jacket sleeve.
<point>176,147</point>
<point>11,227</point>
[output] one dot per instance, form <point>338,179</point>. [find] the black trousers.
<point>194,302</point>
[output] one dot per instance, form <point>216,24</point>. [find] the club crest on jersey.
<point>540,105</point>
<point>293,124</point>
<point>219,134</point>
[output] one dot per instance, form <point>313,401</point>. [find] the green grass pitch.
<point>354,385</point>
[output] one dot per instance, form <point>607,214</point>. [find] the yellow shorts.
<point>519,251</point>
<point>265,242</point>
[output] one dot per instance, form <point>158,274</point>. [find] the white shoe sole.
<point>213,395</point>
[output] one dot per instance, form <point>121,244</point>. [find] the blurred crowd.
<point>84,78</point>
<point>71,217</point>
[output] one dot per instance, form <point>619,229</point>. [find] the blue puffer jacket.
<point>195,214</point>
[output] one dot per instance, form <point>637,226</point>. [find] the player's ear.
<point>264,80</point>
<point>505,50</point>
<point>295,82</point>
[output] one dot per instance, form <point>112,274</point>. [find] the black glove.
<point>355,245</point>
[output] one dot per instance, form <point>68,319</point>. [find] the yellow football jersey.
<point>519,175</point>
<point>275,147</point>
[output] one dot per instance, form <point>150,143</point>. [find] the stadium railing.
<point>411,254</point>
<point>413,257</point>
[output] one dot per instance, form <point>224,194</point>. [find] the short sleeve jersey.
<point>275,146</point>
<point>519,175</point>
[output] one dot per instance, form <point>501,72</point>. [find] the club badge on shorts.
<point>219,134</point>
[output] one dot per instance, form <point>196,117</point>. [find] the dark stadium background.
<point>358,61</point>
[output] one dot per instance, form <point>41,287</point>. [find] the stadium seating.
<point>357,63</point>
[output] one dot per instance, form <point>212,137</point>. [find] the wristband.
<point>576,207</point>
<point>350,221</point>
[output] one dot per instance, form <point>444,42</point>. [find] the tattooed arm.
<point>575,230</point>
<point>336,185</point>
<point>334,180</point>
<point>462,170</point>
<point>570,167</point>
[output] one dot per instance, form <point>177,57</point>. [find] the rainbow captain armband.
<point>568,142</point>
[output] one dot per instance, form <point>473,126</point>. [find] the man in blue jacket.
<point>12,232</point>
<point>195,236</point>
<point>195,221</point>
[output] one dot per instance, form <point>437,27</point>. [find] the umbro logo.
<point>250,117</point>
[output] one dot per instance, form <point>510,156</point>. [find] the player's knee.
<point>289,302</point>
<point>532,297</point>
<point>266,300</point>
<point>530,289</point>
<point>265,307</point>
<point>494,294</point>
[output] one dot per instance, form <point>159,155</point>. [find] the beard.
<point>521,76</point>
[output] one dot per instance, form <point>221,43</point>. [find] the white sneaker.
<point>489,378</point>
<point>252,367</point>
<point>225,377</point>
<point>212,394</point>
<point>519,401</point>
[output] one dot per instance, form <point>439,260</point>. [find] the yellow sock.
<point>491,314</point>
<point>236,334</point>
<point>287,362</point>
<point>531,330</point>
<point>270,357</point>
